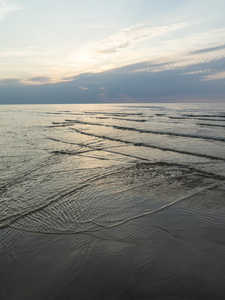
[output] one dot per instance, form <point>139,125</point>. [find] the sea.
<point>112,201</point>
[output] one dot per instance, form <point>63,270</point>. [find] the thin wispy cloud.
<point>7,8</point>
<point>83,88</point>
<point>126,39</point>
<point>192,58</point>
<point>217,76</point>
<point>10,82</point>
<point>209,49</point>
<point>129,37</point>
<point>105,54</point>
<point>40,79</point>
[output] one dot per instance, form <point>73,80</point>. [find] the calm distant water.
<point>112,201</point>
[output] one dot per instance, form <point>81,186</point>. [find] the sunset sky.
<point>94,50</point>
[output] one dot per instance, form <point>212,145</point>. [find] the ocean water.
<point>112,201</point>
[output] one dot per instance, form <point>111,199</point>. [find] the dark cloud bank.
<point>143,82</point>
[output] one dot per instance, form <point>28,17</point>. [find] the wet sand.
<point>121,202</point>
<point>176,251</point>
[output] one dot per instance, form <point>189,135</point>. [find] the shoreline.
<point>177,253</point>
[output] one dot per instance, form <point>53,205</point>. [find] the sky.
<point>70,51</point>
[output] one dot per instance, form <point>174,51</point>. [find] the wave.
<point>210,116</point>
<point>95,148</point>
<point>131,120</point>
<point>204,137</point>
<point>197,118</point>
<point>148,146</point>
<point>71,143</point>
<point>117,114</point>
<point>122,119</point>
<point>9,220</point>
<point>23,176</point>
<point>162,207</point>
<point>98,226</point>
<point>62,113</point>
<point>61,214</point>
<point>66,152</point>
<point>211,125</point>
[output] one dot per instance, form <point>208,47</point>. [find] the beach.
<point>112,201</point>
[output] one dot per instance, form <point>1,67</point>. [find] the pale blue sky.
<point>66,37</point>
<point>45,41</point>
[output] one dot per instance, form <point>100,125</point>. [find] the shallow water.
<point>112,201</point>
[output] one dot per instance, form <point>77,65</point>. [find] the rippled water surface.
<point>112,201</point>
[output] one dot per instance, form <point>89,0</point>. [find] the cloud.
<point>6,8</point>
<point>83,88</point>
<point>189,59</point>
<point>103,55</point>
<point>184,84</point>
<point>129,37</point>
<point>197,72</point>
<point>210,49</point>
<point>184,77</point>
<point>10,82</point>
<point>217,76</point>
<point>40,79</point>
